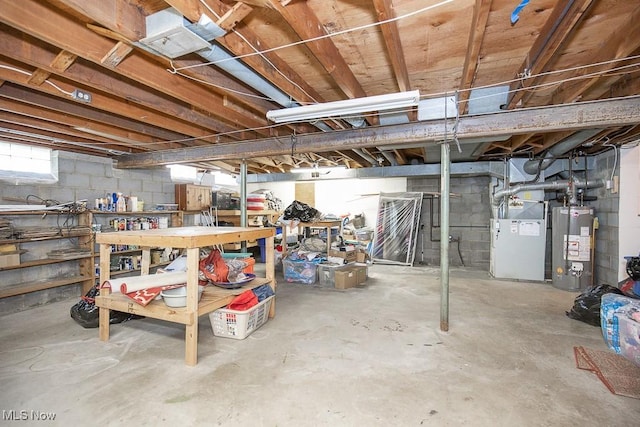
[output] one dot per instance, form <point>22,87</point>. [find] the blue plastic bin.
<point>263,252</point>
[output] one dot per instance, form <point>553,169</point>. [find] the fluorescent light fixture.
<point>389,101</point>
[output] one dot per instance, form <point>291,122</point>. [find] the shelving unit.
<point>234,217</point>
<point>174,219</point>
<point>190,239</point>
<point>22,278</point>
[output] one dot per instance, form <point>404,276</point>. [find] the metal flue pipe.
<point>552,185</point>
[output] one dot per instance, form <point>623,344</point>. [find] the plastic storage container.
<point>299,271</point>
<point>327,273</point>
<point>620,322</point>
<point>262,245</point>
<point>240,324</point>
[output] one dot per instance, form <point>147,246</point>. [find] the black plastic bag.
<point>586,306</point>
<point>87,314</point>
<point>301,211</point>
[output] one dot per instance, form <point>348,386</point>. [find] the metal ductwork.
<point>171,35</point>
<point>532,166</point>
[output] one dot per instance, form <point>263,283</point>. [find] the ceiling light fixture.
<point>385,102</point>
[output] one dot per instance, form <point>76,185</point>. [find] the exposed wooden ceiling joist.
<point>385,11</point>
<point>563,20</point>
<point>435,47</point>
<point>476,36</point>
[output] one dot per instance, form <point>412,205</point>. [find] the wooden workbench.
<point>328,225</point>
<point>191,239</point>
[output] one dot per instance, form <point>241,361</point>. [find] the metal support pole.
<point>445,160</point>
<point>243,200</point>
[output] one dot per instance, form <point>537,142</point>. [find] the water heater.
<point>572,247</point>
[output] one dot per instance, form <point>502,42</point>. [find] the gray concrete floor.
<point>370,356</point>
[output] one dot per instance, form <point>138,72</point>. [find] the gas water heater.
<point>572,247</point>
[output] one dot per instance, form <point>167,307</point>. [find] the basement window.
<point>25,164</point>
<point>182,173</point>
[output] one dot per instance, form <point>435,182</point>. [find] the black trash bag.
<point>86,313</point>
<point>301,211</point>
<point>586,306</point>
<point>633,267</point>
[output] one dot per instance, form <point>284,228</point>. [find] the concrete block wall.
<point>88,177</point>
<point>468,221</point>
<point>606,210</point>
<point>82,177</point>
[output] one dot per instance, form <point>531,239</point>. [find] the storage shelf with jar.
<point>44,249</point>
<point>255,218</point>
<point>126,259</point>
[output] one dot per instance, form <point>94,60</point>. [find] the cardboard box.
<point>361,271</point>
<point>327,273</point>
<point>362,257</point>
<point>346,279</point>
<point>9,259</point>
<point>348,256</point>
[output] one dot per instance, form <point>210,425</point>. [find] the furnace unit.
<point>518,248</point>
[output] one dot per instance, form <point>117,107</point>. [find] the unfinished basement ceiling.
<point>148,109</point>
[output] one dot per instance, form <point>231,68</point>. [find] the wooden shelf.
<point>26,287</point>
<point>78,233</point>
<point>212,299</point>
<point>45,261</point>
<point>129,213</point>
<point>15,282</point>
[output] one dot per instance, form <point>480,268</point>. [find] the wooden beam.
<point>400,157</point>
<point>237,13</point>
<point>62,136</point>
<point>518,141</point>
<point>109,106</point>
<point>42,113</point>
<point>32,17</point>
<point>587,115</point>
<point>548,140</point>
<point>391,35</point>
<point>564,18</point>
<point>476,36</point>
<point>212,77</point>
<point>119,15</point>
<point>274,69</point>
<point>38,77</point>
<point>62,61</point>
<point>623,41</point>
<point>58,144</point>
<point>116,54</point>
<point>72,108</point>
<point>306,24</point>
<point>26,50</point>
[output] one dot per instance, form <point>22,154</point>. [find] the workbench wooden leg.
<point>104,324</point>
<point>191,338</point>
<point>191,330</point>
